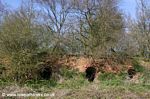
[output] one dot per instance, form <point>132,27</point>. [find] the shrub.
<point>137,66</point>
<point>18,40</point>
<point>146,78</point>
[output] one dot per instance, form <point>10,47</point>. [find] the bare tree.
<point>101,23</point>
<point>56,18</point>
<point>141,28</point>
<point>1,9</point>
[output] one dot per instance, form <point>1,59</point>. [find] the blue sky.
<point>12,3</point>
<point>127,6</point>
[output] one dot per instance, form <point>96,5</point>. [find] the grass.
<point>5,82</point>
<point>68,73</point>
<point>41,85</point>
<point>111,79</point>
<point>74,83</point>
<point>119,81</point>
<point>107,85</point>
<point>113,86</point>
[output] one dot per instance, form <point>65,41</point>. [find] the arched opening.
<point>45,73</point>
<point>131,72</point>
<point>90,73</point>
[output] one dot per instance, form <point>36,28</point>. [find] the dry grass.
<point>111,86</point>
<point>95,90</point>
<point>74,85</point>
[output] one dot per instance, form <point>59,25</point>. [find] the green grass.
<point>111,79</point>
<point>75,80</point>
<point>74,83</point>
<point>40,85</point>
<point>108,85</point>
<point>68,73</point>
<point>71,80</point>
<point>111,86</point>
<point>5,82</point>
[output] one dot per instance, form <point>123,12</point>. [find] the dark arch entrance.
<point>131,72</point>
<point>45,73</point>
<point>90,73</point>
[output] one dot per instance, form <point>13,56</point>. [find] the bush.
<point>121,57</point>
<point>137,66</point>
<point>146,78</point>
<point>19,41</point>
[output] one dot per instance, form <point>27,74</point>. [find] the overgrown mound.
<point>44,66</point>
<point>27,65</point>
